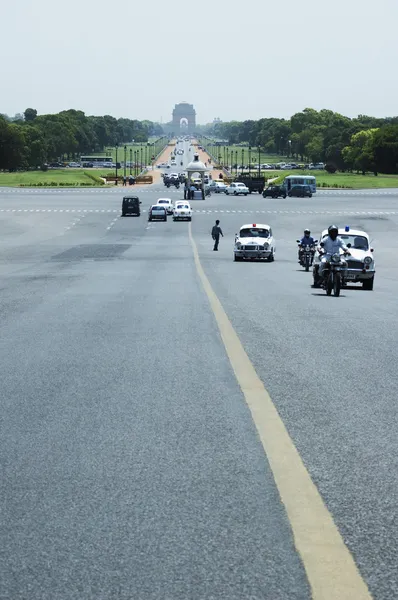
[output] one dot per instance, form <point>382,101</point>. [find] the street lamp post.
<point>259,160</point>
<point>141,159</point>
<point>250,159</point>
<point>125,160</point>
<point>243,158</point>
<point>131,158</point>
<point>116,146</point>
<point>236,162</point>
<point>290,148</point>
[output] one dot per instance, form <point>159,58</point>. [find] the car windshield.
<point>359,242</point>
<point>182,206</point>
<point>254,232</point>
<point>163,201</point>
<point>157,209</point>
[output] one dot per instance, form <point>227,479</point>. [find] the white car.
<point>167,203</point>
<point>237,188</point>
<point>173,163</point>
<point>182,210</point>
<point>254,241</point>
<point>163,165</point>
<point>360,265</point>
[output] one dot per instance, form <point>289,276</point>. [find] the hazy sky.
<point>233,60</point>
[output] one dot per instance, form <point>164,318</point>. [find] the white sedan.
<point>167,204</point>
<point>237,188</point>
<point>254,241</point>
<point>360,265</point>
<point>182,211</point>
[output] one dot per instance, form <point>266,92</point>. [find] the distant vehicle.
<point>182,210</point>
<point>131,206</point>
<point>157,213</point>
<point>299,180</point>
<point>167,204</point>
<point>300,191</point>
<point>173,163</point>
<point>74,165</point>
<point>236,189</point>
<point>316,166</point>
<point>254,184</point>
<point>274,191</point>
<point>163,165</point>
<point>98,162</point>
<point>217,187</point>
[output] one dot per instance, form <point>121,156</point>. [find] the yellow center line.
<point>330,567</point>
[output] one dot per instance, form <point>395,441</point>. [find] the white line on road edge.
<point>330,567</point>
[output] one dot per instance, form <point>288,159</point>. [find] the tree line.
<point>360,144</point>
<point>31,140</point>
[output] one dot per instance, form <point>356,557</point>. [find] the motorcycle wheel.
<point>307,263</point>
<point>337,285</point>
<point>329,284</point>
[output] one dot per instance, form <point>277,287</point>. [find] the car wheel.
<point>310,195</point>
<point>237,258</point>
<point>368,284</point>
<point>189,218</point>
<point>289,195</point>
<point>284,196</point>
<point>123,214</point>
<point>271,257</point>
<point>235,193</point>
<point>246,194</point>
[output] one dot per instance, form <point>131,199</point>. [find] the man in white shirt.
<point>331,245</point>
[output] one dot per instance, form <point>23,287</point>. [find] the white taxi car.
<point>167,204</point>
<point>182,210</point>
<point>237,188</point>
<point>254,241</point>
<point>360,265</point>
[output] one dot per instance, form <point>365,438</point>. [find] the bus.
<point>292,180</point>
<point>97,161</point>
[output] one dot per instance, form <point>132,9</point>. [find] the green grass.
<point>58,176</point>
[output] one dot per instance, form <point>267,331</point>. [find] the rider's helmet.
<point>333,232</point>
<point>307,232</point>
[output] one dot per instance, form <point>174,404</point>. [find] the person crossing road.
<point>215,234</point>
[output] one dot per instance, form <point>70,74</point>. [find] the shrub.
<point>44,167</point>
<point>94,178</point>
<point>330,168</point>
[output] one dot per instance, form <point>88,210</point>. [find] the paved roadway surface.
<point>131,466</point>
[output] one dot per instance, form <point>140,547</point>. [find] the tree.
<point>30,114</point>
<point>385,149</point>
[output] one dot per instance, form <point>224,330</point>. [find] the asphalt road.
<point>130,463</point>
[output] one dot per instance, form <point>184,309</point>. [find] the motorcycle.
<point>333,274</point>
<point>307,254</point>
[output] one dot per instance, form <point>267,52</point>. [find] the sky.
<point>232,60</point>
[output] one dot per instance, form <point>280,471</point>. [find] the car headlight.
<point>238,244</point>
<point>266,246</point>
<point>367,260</point>
<point>336,258</point>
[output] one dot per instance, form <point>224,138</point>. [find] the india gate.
<point>184,117</point>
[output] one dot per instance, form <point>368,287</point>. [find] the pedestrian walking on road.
<point>215,234</point>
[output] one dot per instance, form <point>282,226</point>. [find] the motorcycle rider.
<point>331,245</point>
<point>306,240</point>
